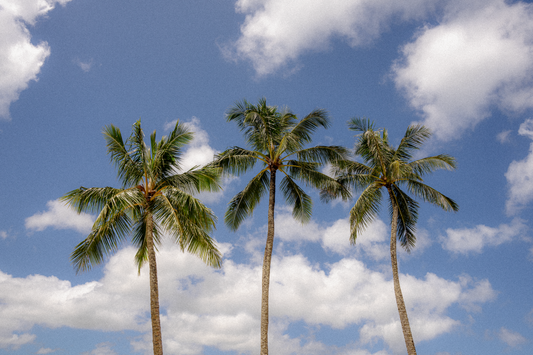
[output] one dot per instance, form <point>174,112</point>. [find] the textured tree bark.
<point>404,320</point>
<point>154,288</point>
<point>266,264</point>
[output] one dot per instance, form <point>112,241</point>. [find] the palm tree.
<point>392,169</point>
<point>155,198</point>
<point>277,139</point>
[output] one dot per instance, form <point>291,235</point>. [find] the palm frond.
<point>301,203</point>
<point>188,221</point>
<point>414,137</point>
<point>364,211</point>
<point>129,171</point>
<point>236,161</point>
<point>407,217</point>
<point>429,194</point>
<point>322,154</point>
<point>428,165</point>
<point>243,204</point>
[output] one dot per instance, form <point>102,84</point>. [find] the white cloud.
<point>20,60</point>
<point>85,66</point>
<point>479,55</point>
<point>60,216</point>
<point>276,32</point>
<point>45,351</point>
<point>467,240</point>
<point>220,308</point>
<point>3,234</point>
<point>101,349</point>
<point>519,175</point>
<point>512,339</point>
<point>504,136</point>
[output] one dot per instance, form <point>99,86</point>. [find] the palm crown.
<point>152,189</point>
<point>278,140</point>
<point>391,168</point>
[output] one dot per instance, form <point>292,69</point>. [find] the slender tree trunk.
<point>404,320</point>
<point>154,288</point>
<point>266,264</point>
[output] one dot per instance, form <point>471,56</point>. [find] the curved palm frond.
<point>166,154</point>
<point>128,170</point>
<point>413,138</point>
<point>302,206</point>
<point>189,222</point>
<point>407,217</point>
<point>300,134</point>
<point>364,211</point>
<point>139,240</point>
<point>428,165</point>
<point>243,204</point>
<point>109,231</point>
<point>429,194</point>
<point>322,154</point>
<point>237,161</point>
<point>139,151</point>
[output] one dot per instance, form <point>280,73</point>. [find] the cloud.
<point>220,308</point>
<point>474,240</point>
<point>519,175</point>
<point>20,59</point>
<point>479,55</point>
<point>60,216</point>
<point>101,349</point>
<point>512,339</point>
<point>85,66</point>
<point>504,136</point>
<point>276,32</point>
<point>45,351</point>
<point>3,234</point>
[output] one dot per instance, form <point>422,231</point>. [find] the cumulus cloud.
<point>20,59</point>
<point>512,339</point>
<point>519,175</point>
<point>474,240</point>
<point>220,308</point>
<point>276,32</point>
<point>60,216</point>
<point>478,56</point>
<point>335,238</point>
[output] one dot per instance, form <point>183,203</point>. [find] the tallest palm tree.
<point>391,169</point>
<point>278,142</point>
<point>154,199</point>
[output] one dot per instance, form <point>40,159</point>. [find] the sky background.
<point>68,68</point>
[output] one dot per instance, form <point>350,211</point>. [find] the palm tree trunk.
<point>404,320</point>
<point>154,288</point>
<point>266,264</point>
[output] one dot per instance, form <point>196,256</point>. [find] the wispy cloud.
<point>512,339</point>
<point>85,66</point>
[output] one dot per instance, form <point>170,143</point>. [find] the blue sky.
<point>463,68</point>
